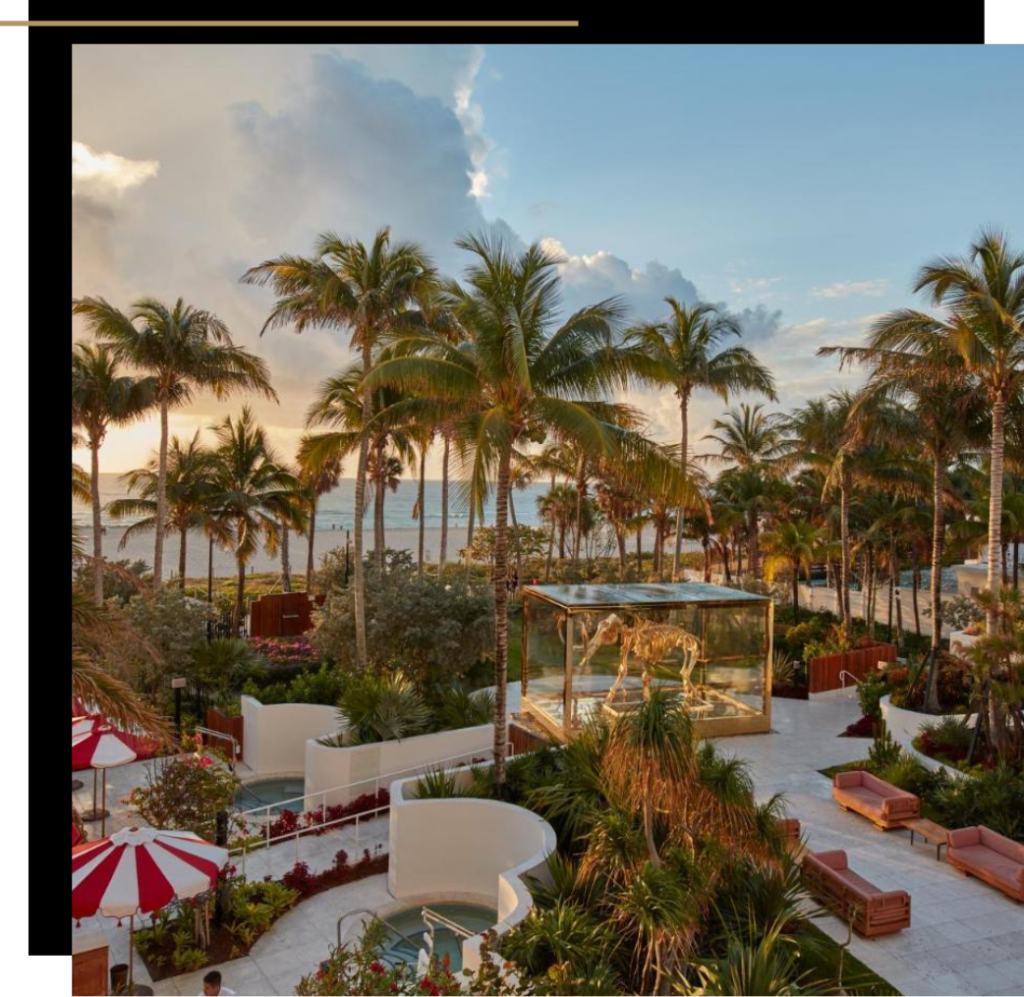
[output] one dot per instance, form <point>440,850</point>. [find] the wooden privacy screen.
<point>825,672</point>
<point>283,615</point>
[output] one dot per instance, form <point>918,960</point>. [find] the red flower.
<point>376,967</point>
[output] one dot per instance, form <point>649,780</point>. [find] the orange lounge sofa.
<point>882,803</point>
<point>871,911</point>
<point>999,861</point>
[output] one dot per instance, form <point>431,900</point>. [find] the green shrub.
<point>869,693</point>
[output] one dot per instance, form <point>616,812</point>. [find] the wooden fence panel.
<point>825,671</point>
<point>286,614</point>
<point>223,724</point>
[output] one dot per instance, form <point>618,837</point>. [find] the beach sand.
<point>141,547</point>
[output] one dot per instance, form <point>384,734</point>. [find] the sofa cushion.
<point>980,857</point>
<point>858,884</point>
<point>861,795</point>
<point>881,787</point>
<point>1006,847</point>
<point>963,837</point>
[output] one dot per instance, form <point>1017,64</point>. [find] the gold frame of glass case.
<point>711,645</point>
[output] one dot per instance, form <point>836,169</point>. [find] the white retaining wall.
<point>468,847</point>
<point>364,768</point>
<point>275,735</point>
<point>905,725</point>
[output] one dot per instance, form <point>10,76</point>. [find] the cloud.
<point>852,288</point>
<point>758,287</point>
<point>101,174</point>
<point>589,278</point>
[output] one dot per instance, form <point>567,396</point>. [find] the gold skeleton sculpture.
<point>650,642</point>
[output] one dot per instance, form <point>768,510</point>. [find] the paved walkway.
<point>965,937</point>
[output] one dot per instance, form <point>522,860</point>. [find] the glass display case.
<point>597,649</point>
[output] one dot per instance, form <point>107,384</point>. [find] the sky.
<point>799,187</point>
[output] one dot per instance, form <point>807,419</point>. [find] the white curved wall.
<point>466,846</point>
<point>905,725</point>
<point>365,767</point>
<point>275,735</point>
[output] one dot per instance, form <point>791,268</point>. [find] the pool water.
<point>262,792</point>
<point>409,923</point>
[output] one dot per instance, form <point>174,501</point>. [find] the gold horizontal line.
<point>286,24</point>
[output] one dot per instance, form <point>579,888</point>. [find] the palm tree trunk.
<point>561,540</point>
<point>358,580</point>
<point>755,551</point>
<point>209,592</point>
<point>419,499</point>
<point>551,542</point>
<point>892,576</point>
<point>469,537</point>
<point>444,500</point>
<point>639,551</point>
<point>844,564</point>
<point>309,555</point>
<point>499,579</point>
<point>161,499</point>
<point>915,584</point>
<point>183,534</point>
<point>1016,561</point>
<point>707,559</point>
<point>239,600</point>
<point>620,536</point>
<point>378,511</point>
<point>931,696</point>
<point>725,561</point>
<point>97,520</point>
<point>581,484</point>
<point>796,591</point>
<point>684,402</point>
<point>286,561</point>
<point>519,544</point>
<point>995,512</point>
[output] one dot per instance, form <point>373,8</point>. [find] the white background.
<point>1004,21</point>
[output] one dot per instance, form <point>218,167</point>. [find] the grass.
<point>256,584</point>
<point>861,763</point>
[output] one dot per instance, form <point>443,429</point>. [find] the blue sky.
<point>800,187</point>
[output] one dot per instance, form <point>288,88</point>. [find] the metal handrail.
<point>842,678</point>
<point>235,749</point>
<point>431,916</point>
<point>387,924</point>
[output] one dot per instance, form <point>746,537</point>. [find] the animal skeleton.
<point>650,642</point>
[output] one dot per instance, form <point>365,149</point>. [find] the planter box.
<point>825,672</point>
<point>277,734</point>
<point>365,768</point>
<point>905,725</point>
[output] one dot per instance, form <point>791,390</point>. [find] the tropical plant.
<point>250,488</point>
<point>369,291</point>
<point>102,396</point>
<point>377,707</point>
<point>687,352</point>
<point>184,350</point>
<point>793,544</point>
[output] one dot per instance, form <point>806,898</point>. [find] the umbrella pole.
<point>103,819</point>
<point>131,959</point>
<point>94,774</point>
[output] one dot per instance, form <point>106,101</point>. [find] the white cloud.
<point>587,278</point>
<point>757,287</point>
<point>103,173</point>
<point>851,288</point>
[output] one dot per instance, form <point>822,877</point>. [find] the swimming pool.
<point>406,929</point>
<point>262,792</point>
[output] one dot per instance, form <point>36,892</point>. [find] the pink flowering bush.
<point>285,650</point>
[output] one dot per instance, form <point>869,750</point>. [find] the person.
<point>212,986</point>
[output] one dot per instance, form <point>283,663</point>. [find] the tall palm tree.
<point>687,353</point>
<point>941,416</point>
<point>793,544</point>
<point>528,376</point>
<point>982,296</point>
<point>369,291</point>
<point>747,436</point>
<point>102,396</point>
<point>189,491</point>
<point>185,350</point>
<point>319,480</point>
<point>291,508</point>
<point>250,486</point>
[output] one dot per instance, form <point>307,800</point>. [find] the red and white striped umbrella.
<point>139,870</point>
<point>100,747</point>
<point>82,725</point>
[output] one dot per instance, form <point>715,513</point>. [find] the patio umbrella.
<point>138,870</point>
<point>100,748</point>
<point>80,725</point>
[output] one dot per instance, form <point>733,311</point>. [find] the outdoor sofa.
<point>999,861</point>
<point>882,803</point>
<point>870,910</point>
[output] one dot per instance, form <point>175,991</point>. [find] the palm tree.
<point>368,291</point>
<point>291,514</point>
<point>81,489</point>
<point>189,491</point>
<point>687,353</point>
<point>102,396</point>
<point>982,295</point>
<point>747,436</point>
<point>527,377</point>
<point>186,350</point>
<point>558,507</point>
<point>942,416</point>
<point>793,544</point>
<point>250,487</point>
<point>319,480</point>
